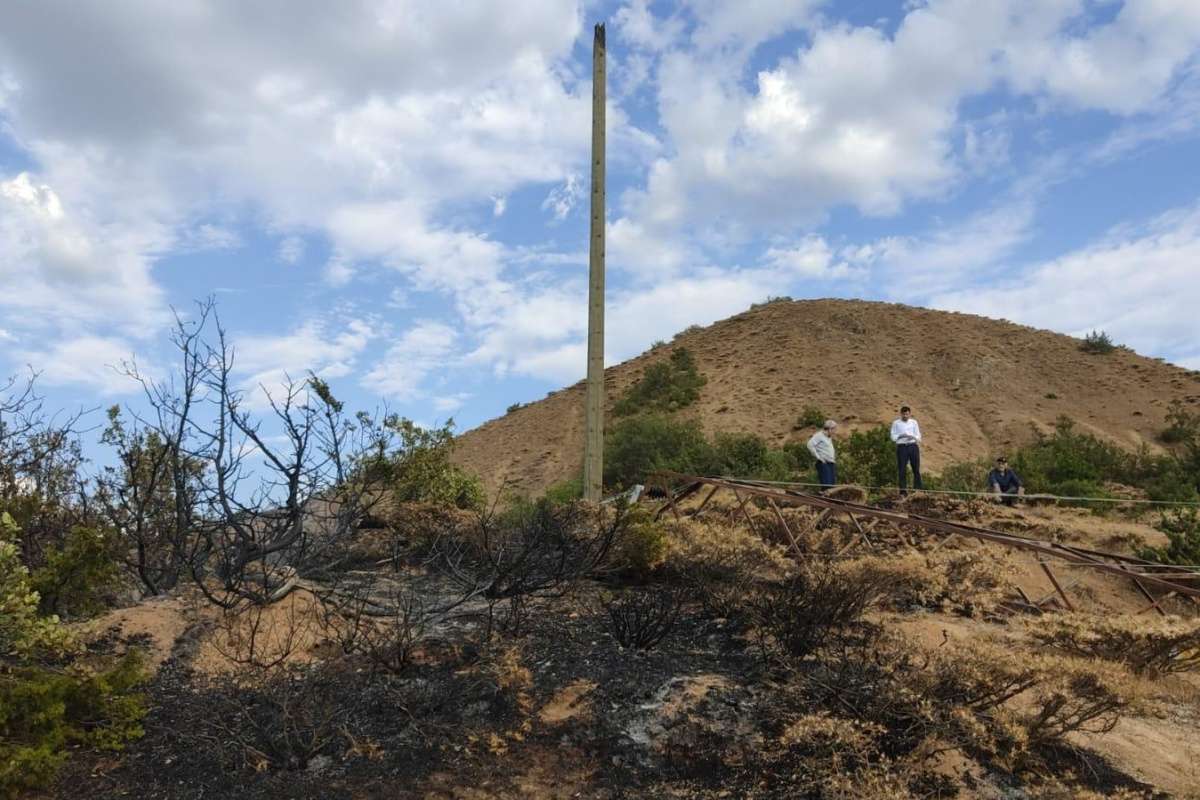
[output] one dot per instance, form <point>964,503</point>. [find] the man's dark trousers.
<point>908,454</point>
<point>826,474</point>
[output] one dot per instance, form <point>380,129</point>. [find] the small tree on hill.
<point>664,386</point>
<point>1097,343</point>
<point>640,445</point>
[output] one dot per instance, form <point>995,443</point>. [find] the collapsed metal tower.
<point>1175,580</point>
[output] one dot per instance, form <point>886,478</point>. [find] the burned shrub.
<point>1151,647</point>
<point>815,605</point>
<point>966,697</point>
<point>501,679</point>
<point>835,757</point>
<point>721,563</point>
<point>387,632</point>
<point>276,719</point>
<point>265,637</point>
<point>1077,696</point>
<point>533,551</point>
<point>640,619</point>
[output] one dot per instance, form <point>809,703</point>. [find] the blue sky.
<point>393,193</point>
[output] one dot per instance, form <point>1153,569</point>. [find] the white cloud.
<point>62,270</point>
<point>562,199</point>
<point>861,118</point>
<point>811,257</point>
<point>448,404</point>
<point>316,346</point>
<point>538,322</point>
<point>464,264</point>
<point>425,348</point>
<point>291,249</point>
<point>654,253</point>
<point>638,26</point>
<point>910,268</point>
<point>1139,286</point>
<point>89,362</point>
<point>383,128</point>
<point>1122,66</point>
<point>209,237</point>
<point>748,22</point>
<point>545,337</point>
<point>306,121</point>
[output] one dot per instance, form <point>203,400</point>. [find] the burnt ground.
<point>439,718</point>
<point>589,720</point>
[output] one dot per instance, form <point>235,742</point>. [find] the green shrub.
<point>965,476</point>
<point>77,578</point>
<point>1177,476</point>
<point>664,386</point>
<point>643,545</point>
<point>565,492</point>
<point>23,632</point>
<point>798,458</point>
<point>772,299</point>
<point>1081,488</point>
<point>1183,426</point>
<point>637,446</point>
<point>1069,459</point>
<point>43,711</point>
<point>514,407</point>
<point>745,455</point>
<point>1097,343</point>
<point>868,458</point>
<point>1182,528</point>
<point>1170,482</point>
<point>1075,464</point>
<point>810,417</point>
<point>420,470</point>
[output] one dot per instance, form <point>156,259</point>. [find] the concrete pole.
<point>593,454</point>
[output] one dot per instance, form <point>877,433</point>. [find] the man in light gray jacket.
<point>821,446</point>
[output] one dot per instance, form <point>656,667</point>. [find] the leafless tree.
<point>249,504</point>
<point>537,551</point>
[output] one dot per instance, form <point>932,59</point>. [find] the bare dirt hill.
<point>976,385</point>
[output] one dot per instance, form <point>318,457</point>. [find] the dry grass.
<point>971,582</point>
<point>1148,646</point>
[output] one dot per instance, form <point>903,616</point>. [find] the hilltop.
<point>977,385</point>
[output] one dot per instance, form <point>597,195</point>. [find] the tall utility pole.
<point>593,453</point>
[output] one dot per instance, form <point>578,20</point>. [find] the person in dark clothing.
<point>1004,483</point>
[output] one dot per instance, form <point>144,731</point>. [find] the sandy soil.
<point>156,624</point>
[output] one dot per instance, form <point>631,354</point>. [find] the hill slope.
<point>976,385</point>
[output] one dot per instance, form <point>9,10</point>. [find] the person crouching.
<point>1004,483</point>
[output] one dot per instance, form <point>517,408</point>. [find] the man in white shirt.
<point>906,433</point>
<point>821,446</point>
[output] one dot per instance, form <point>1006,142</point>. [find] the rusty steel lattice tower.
<point>593,454</point>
